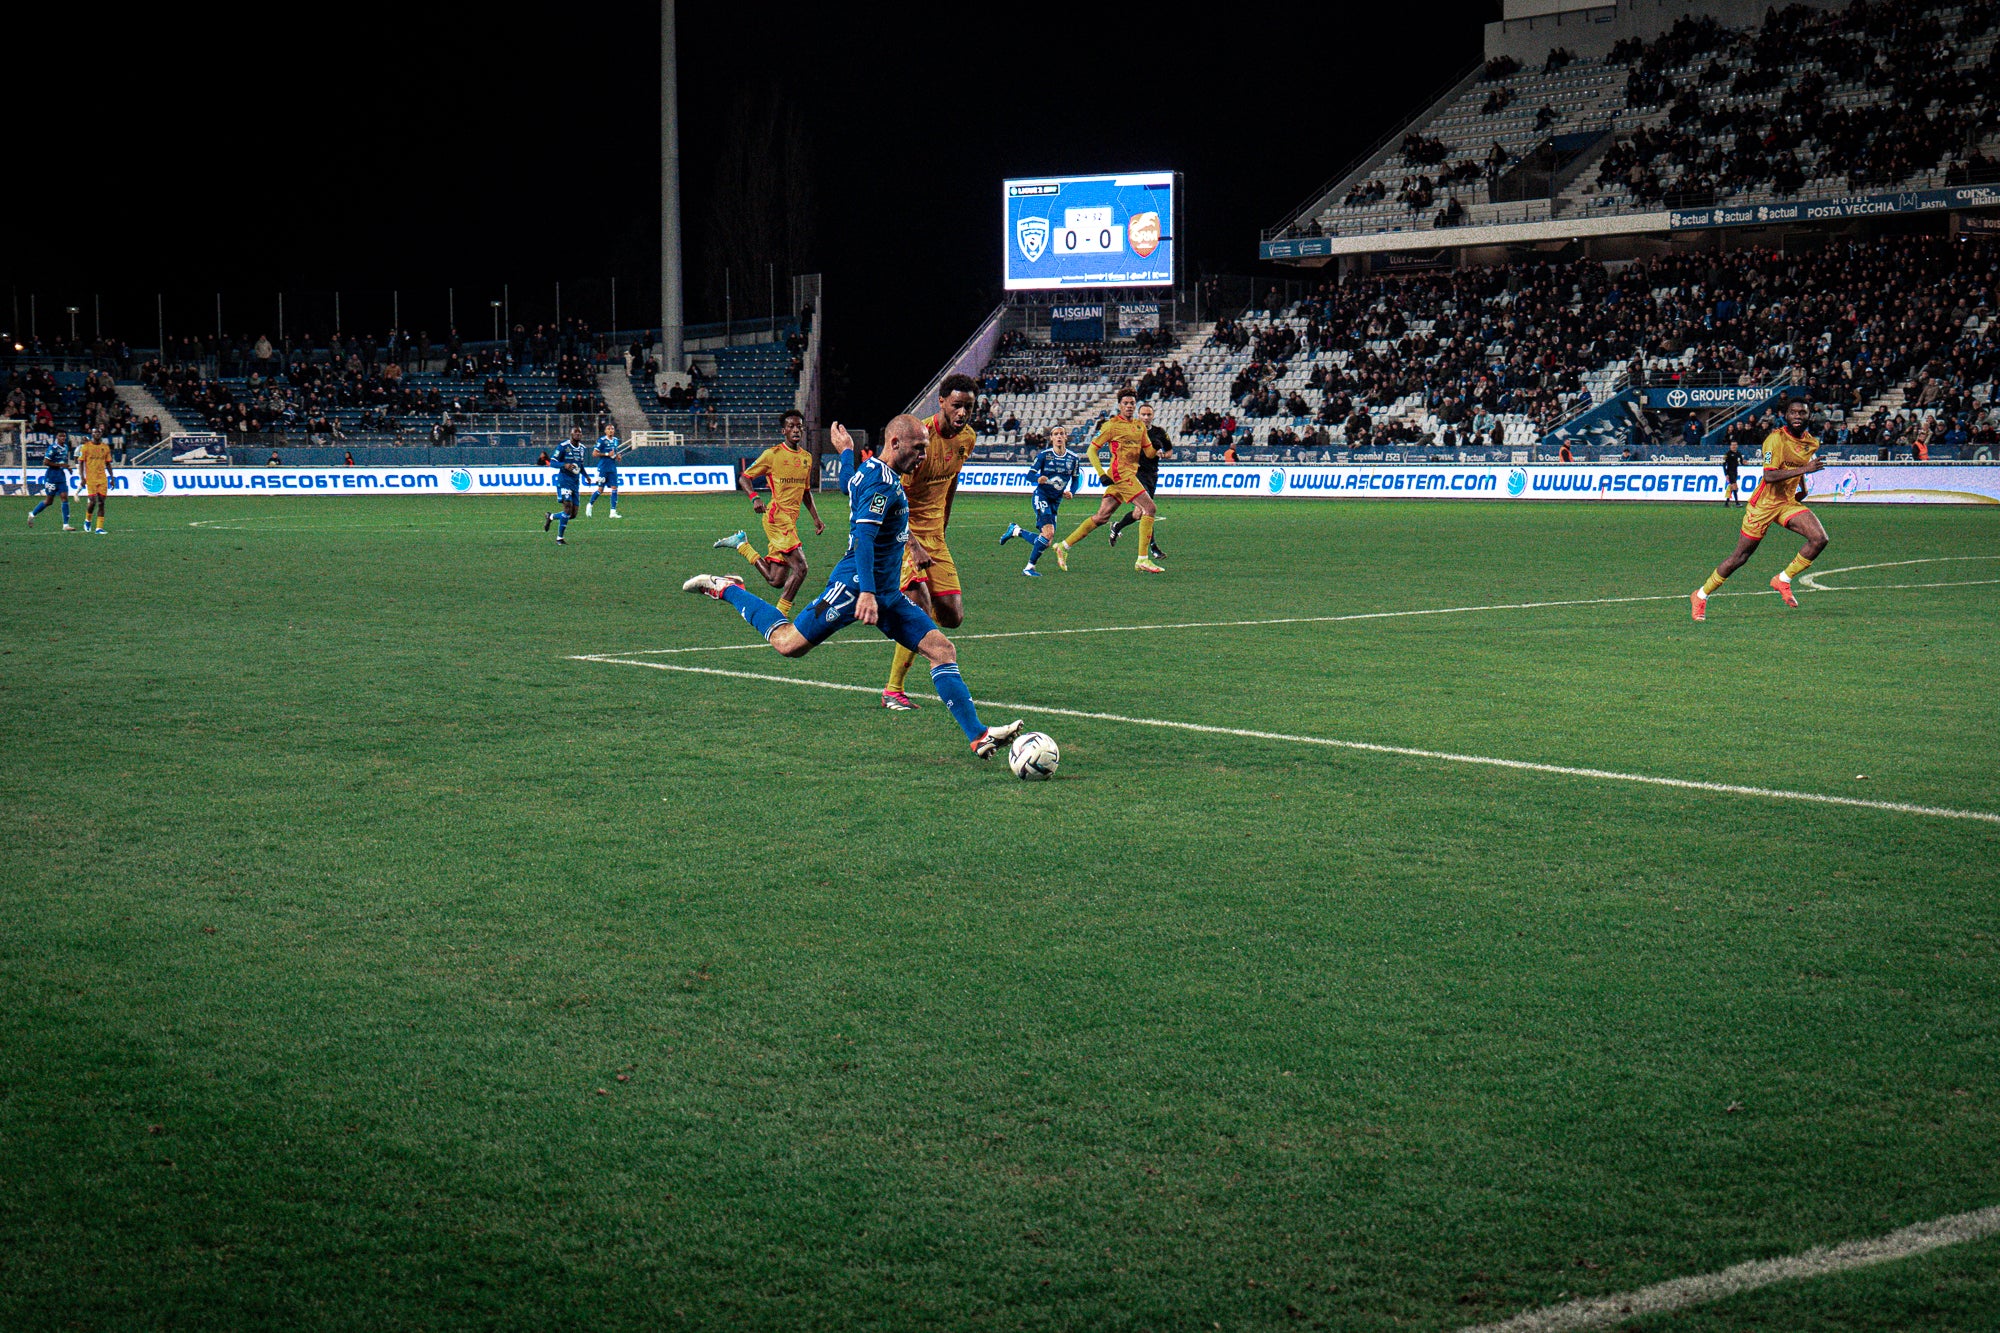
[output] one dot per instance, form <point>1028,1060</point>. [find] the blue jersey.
<point>878,527</point>
<point>569,451</point>
<point>1054,474</point>
<point>608,448</point>
<point>56,455</point>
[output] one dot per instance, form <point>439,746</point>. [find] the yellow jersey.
<point>791,474</point>
<point>96,459</point>
<point>1129,443</point>
<point>1782,449</point>
<point>928,487</point>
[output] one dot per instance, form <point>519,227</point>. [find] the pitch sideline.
<point>1369,747</point>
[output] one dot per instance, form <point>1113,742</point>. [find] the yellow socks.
<point>1798,566</point>
<point>899,670</point>
<point>1714,582</point>
<point>1083,529</point>
<point>785,606</point>
<point>749,552</point>
<point>1145,536</point>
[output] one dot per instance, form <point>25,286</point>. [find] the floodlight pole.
<point>673,355</point>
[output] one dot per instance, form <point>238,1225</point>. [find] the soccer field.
<point>374,958</point>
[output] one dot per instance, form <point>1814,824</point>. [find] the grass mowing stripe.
<point>1603,1311</point>
<point>1410,752</point>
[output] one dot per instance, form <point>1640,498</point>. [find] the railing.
<point>526,430</point>
<point>1404,125</point>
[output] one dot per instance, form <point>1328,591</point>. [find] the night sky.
<point>372,147</point>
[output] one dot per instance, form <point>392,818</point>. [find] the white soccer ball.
<point>1033,756</point>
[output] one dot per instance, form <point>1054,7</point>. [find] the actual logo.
<point>153,480</point>
<point>461,480</point>
<point>1032,235</point>
<point>1517,481</point>
<point>1143,230</point>
<point>1677,398</point>
<point>1277,481</point>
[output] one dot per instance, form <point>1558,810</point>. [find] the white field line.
<point>1811,578</point>
<point>1442,756</point>
<point>1236,624</point>
<point>1602,1311</point>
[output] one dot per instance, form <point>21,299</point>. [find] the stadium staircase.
<point>615,388</point>
<point>143,404</point>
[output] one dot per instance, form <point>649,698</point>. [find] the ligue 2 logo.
<point>1032,234</point>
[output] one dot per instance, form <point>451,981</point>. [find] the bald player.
<point>930,576</point>
<point>863,585</point>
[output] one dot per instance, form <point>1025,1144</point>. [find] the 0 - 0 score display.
<point>1089,231</point>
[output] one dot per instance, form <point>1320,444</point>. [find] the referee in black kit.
<point>1149,476</point>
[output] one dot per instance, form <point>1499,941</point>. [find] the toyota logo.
<point>1677,398</point>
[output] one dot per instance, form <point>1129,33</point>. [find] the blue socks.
<point>562,522</point>
<point>957,699</point>
<point>1040,543</point>
<point>38,508</point>
<point>763,617</point>
<point>65,509</point>
<point>614,497</point>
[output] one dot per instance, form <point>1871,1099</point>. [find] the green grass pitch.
<point>368,962</point>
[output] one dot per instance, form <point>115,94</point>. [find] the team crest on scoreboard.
<point>1032,234</point>
<point>1143,231</point>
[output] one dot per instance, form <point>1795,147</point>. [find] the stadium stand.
<point>1894,335</point>
<point>1811,102</point>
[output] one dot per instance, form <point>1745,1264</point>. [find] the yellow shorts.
<point>1124,490</point>
<point>1766,508</point>
<point>781,530</point>
<point>97,486</point>
<point>941,574</point>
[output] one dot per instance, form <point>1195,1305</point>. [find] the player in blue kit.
<point>55,479</point>
<point>568,461</point>
<point>609,450</point>
<point>865,585</point>
<point>1055,472</point>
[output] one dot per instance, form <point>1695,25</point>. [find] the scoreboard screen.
<point>1088,231</point>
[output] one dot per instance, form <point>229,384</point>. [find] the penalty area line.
<point>1678,1294</point>
<point>1327,742</point>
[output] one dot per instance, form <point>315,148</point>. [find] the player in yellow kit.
<point>930,575</point>
<point>790,468</point>
<point>1128,444</point>
<point>96,459</point>
<point>1788,456</point>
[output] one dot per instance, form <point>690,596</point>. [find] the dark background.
<point>368,147</point>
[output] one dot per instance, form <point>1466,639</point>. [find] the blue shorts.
<point>567,484</point>
<point>607,475</point>
<point>833,610</point>
<point>55,481</point>
<point>1045,510</point>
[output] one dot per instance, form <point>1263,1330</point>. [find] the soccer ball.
<point>1033,756</point>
